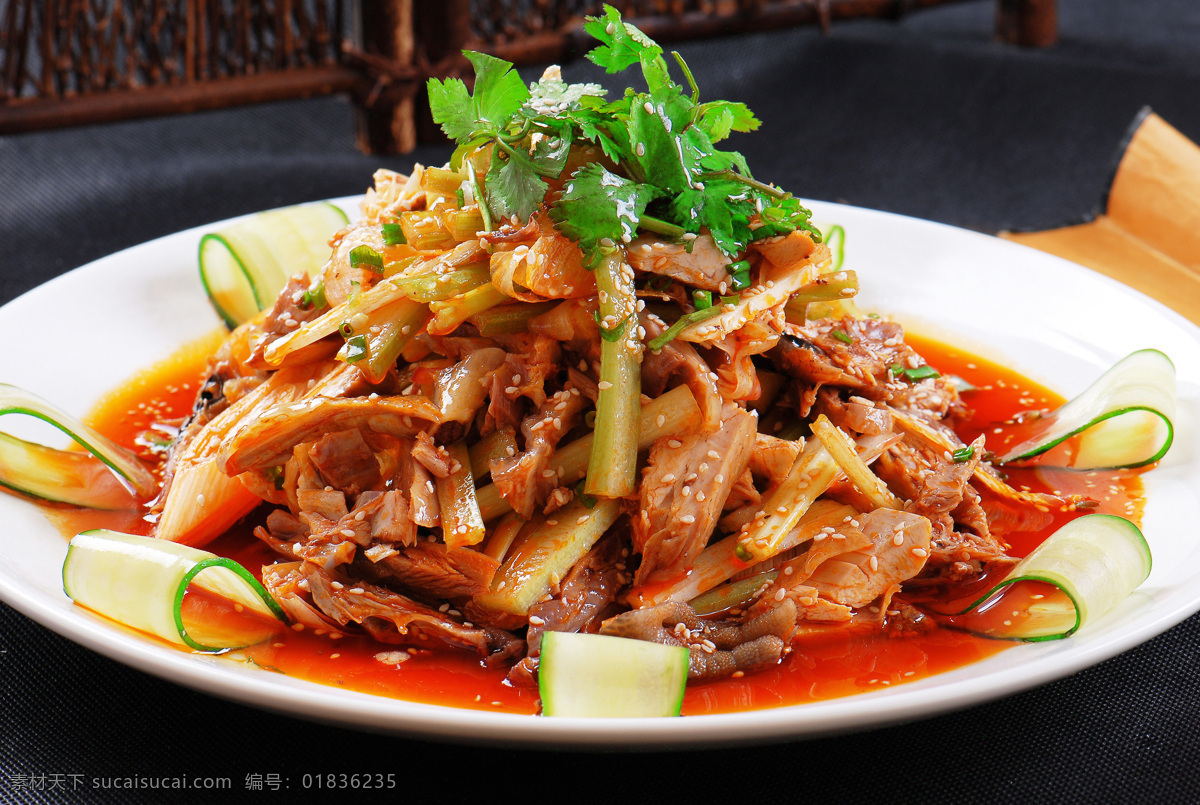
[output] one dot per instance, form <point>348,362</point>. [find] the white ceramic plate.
<point>1052,320</point>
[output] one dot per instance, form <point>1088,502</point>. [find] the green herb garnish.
<point>921,372</point>
<point>962,454</point>
<point>355,349</point>
<point>584,498</point>
<point>610,334</point>
<point>842,336</point>
<point>393,234</point>
<point>702,299</point>
<point>668,176</point>
<point>668,335</point>
<point>739,275</point>
<point>366,257</point>
<point>314,295</point>
<point>918,373</point>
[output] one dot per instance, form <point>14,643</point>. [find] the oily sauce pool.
<point>824,663</point>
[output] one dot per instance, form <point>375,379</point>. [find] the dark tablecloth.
<point>926,117</point>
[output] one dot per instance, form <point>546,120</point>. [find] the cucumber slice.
<point>140,582</point>
<point>602,676</point>
<point>63,476</point>
<point>244,266</point>
<point>1125,417</point>
<point>1096,561</point>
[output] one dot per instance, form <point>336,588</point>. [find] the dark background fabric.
<point>927,117</point>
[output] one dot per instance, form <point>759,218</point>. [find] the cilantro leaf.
<point>719,118</point>
<point>513,187</point>
<point>498,95</point>
<point>620,45</point>
<point>451,107</point>
<point>499,90</point>
<point>722,207</point>
<point>597,205</point>
<point>550,155</point>
<point>659,156</point>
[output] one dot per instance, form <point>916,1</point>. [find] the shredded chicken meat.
<point>448,496</point>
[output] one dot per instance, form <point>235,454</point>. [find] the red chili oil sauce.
<point>826,662</point>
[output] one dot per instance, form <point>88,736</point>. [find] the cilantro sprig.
<point>664,171</point>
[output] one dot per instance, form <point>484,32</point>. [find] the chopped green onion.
<point>460,198</point>
<point>921,373</point>
<point>610,334</point>
<point>355,349</point>
<point>393,235</point>
<point>918,373</point>
<point>314,296</point>
<point>668,335</point>
<point>365,257</point>
<point>702,299</point>
<point>661,227</point>
<point>739,274</point>
<point>962,454</point>
<point>584,498</point>
<point>842,336</point>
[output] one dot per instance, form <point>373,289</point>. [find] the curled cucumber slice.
<point>1095,561</point>
<point>603,676</point>
<point>245,265</point>
<point>64,476</point>
<point>140,582</point>
<point>1124,418</point>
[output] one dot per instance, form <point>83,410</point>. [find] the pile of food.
<point>592,376</point>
